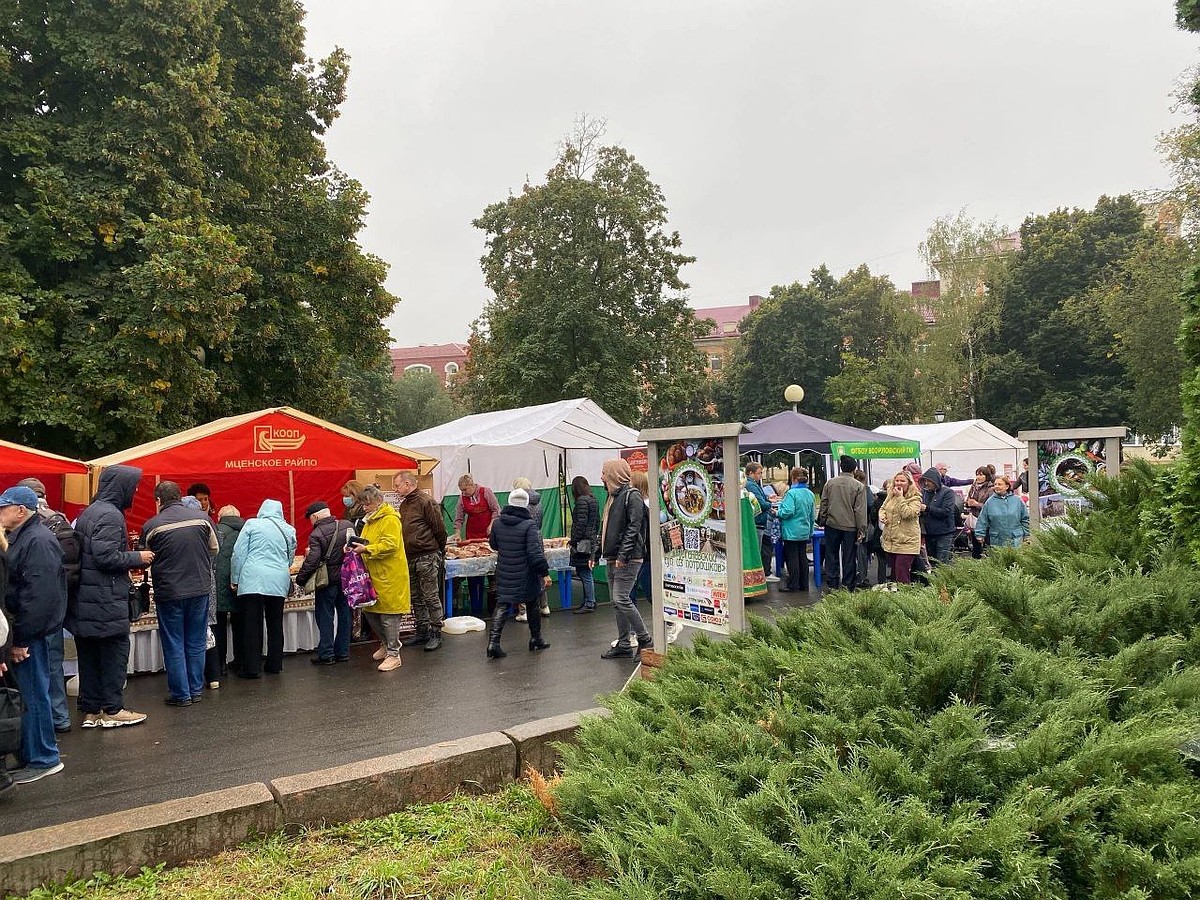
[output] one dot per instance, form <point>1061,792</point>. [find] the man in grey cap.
<point>60,526</point>
<point>36,600</point>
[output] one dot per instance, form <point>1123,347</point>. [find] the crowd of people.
<point>909,526</point>
<point>214,573</point>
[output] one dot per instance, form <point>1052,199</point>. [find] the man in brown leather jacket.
<point>424,531</point>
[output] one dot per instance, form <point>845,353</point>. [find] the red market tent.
<point>280,453</point>
<point>17,462</point>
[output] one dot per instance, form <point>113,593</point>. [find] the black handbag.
<point>10,720</point>
<point>139,599</point>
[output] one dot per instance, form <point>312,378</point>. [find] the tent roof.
<point>567,424</point>
<point>15,458</point>
<point>967,434</point>
<point>795,431</point>
<point>236,439</point>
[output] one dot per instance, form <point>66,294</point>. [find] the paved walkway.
<point>312,717</point>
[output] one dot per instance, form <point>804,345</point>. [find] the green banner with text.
<point>877,449</point>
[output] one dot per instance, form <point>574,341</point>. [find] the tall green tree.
<point>792,337</point>
<point>1142,310</point>
<point>422,401</point>
<point>174,244</point>
<point>965,254</point>
<point>1051,363</point>
<point>588,299</point>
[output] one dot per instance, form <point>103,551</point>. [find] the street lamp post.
<point>793,394</point>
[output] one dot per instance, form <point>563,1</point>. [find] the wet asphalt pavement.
<point>313,717</point>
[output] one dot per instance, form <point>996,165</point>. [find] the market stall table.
<point>299,634</point>
<point>559,559</point>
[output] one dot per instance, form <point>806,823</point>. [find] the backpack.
<point>72,549</point>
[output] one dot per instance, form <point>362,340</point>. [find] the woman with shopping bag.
<point>381,547</point>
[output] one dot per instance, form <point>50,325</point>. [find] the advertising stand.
<point>1060,460</point>
<point>696,548</point>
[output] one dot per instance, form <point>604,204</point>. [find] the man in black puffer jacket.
<point>521,570</point>
<point>99,618</point>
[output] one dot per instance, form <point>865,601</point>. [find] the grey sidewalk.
<point>312,717</point>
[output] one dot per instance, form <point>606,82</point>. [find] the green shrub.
<point>1020,741</point>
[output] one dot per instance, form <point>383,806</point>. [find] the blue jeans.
<point>331,601</point>
<point>938,546</point>
<point>588,578</point>
<point>183,632</point>
<point>38,749</point>
<point>58,686</point>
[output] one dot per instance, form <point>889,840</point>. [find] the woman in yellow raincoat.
<point>383,554</point>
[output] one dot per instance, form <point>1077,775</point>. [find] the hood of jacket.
<point>271,509</point>
<point>118,484</point>
<point>234,522</point>
<point>511,515</point>
<point>933,476</point>
<point>535,498</point>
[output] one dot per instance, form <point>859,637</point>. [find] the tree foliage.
<point>848,342</point>
<point>422,401</point>
<point>1050,362</point>
<point>588,300</point>
<point>174,245</point>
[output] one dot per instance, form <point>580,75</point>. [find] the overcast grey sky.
<point>784,133</point>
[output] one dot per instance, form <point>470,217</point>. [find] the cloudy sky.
<point>784,133</point>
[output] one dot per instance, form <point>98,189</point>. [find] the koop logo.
<point>268,439</point>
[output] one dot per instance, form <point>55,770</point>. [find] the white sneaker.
<point>521,617</point>
<point>772,578</point>
<point>546,610</point>
<point>91,720</point>
<point>380,653</point>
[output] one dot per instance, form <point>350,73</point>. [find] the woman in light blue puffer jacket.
<point>259,572</point>
<point>1004,519</point>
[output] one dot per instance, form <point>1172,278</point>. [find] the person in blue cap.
<point>36,601</point>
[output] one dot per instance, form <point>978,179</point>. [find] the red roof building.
<point>443,360</point>
<point>715,345</point>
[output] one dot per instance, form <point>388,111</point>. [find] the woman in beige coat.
<point>900,518</point>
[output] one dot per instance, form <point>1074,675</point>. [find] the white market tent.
<point>534,441</point>
<point>963,446</point>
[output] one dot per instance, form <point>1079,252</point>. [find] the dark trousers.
<point>938,546</point>
<point>256,608</point>
<point>221,633</point>
<point>796,554</point>
<point>332,608</point>
<point>103,663</point>
<point>766,549</point>
<point>841,546</point>
<point>902,564</point>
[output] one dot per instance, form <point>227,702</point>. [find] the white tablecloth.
<point>299,633</point>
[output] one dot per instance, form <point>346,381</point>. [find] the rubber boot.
<point>494,650</point>
<point>420,636</point>
<point>535,627</point>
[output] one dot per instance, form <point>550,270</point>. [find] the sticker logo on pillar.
<point>269,439</point>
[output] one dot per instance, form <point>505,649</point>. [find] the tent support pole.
<point>292,495</point>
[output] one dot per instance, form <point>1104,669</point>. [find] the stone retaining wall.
<point>192,828</point>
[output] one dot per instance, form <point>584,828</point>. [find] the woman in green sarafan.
<point>754,581</point>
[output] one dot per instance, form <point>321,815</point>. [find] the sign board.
<point>696,551</point>
<point>876,449</point>
<point>1062,460</point>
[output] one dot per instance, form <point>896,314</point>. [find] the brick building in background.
<point>443,360</point>
<point>716,344</point>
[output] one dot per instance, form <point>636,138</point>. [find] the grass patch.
<point>490,848</point>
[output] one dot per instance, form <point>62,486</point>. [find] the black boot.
<point>419,637</point>
<point>493,648</point>
<point>435,640</point>
<point>535,626</point>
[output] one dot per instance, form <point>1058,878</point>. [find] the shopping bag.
<point>10,721</point>
<point>356,582</point>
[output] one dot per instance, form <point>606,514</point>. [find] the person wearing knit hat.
<point>522,571</point>
<point>623,545</point>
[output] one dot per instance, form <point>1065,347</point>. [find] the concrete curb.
<point>121,843</point>
<point>375,787</point>
<point>192,828</point>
